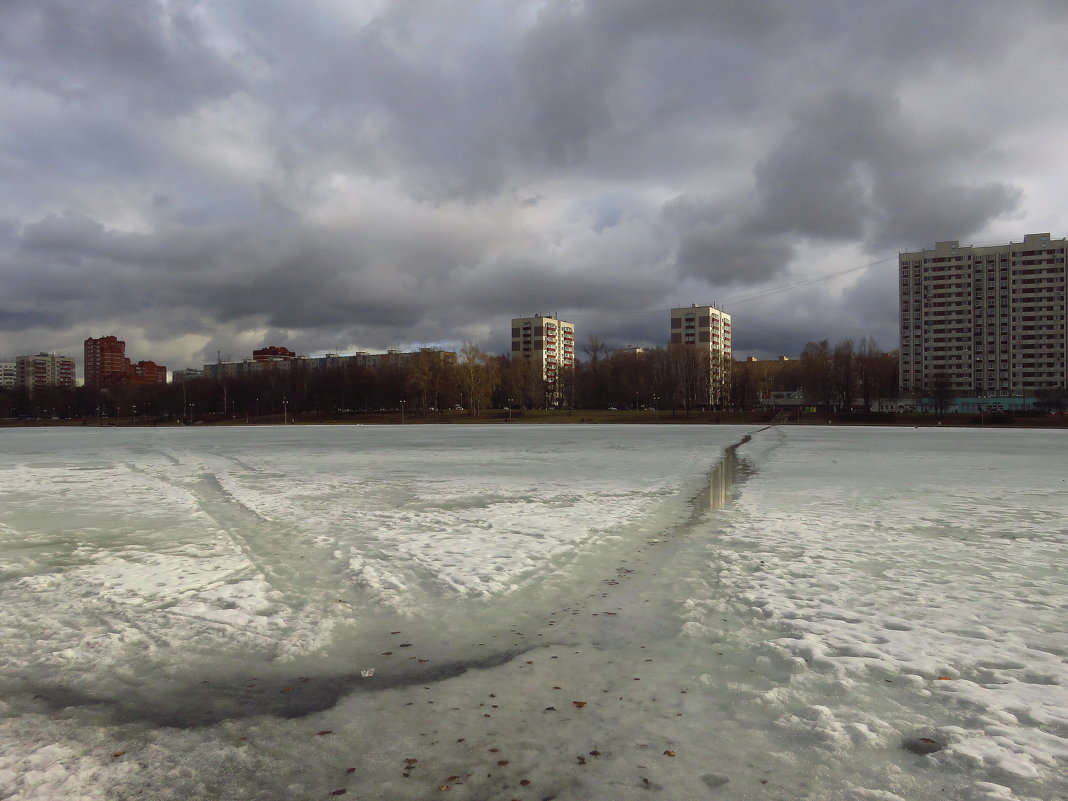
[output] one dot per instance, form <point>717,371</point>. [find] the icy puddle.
<point>533,613</point>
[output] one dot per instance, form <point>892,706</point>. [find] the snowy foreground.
<point>524,612</point>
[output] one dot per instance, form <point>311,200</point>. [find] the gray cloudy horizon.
<point>202,178</point>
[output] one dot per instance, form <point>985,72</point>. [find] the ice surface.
<point>528,612</point>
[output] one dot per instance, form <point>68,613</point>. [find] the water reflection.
<point>721,480</point>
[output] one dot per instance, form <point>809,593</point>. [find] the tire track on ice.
<point>285,554</point>
<point>290,564</point>
<point>625,611</point>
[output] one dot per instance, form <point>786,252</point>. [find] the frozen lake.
<point>526,612</point>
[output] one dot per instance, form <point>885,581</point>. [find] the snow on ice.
<point>573,612</point>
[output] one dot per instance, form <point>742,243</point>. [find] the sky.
<point>205,178</point>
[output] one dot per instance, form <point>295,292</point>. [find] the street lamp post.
<point>656,408</point>
<point>285,410</point>
<point>509,410</point>
<point>402,412</point>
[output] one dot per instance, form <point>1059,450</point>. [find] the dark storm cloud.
<point>720,242</point>
<point>853,166</point>
<point>814,183</point>
<point>377,174</point>
<point>871,307</point>
<point>923,213</point>
<point>288,278</point>
<point>149,53</point>
<point>850,167</point>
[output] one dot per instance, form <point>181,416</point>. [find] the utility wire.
<point>808,281</point>
<point>764,292</point>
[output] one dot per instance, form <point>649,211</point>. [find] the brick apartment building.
<point>106,364</point>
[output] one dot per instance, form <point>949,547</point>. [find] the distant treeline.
<point>842,377</point>
<point>677,378</point>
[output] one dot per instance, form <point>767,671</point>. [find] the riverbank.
<point>575,416</point>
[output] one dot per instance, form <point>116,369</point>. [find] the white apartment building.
<point>549,344</point>
<point>8,375</point>
<point>707,329</point>
<point>983,320</point>
<point>44,370</point>
<point>186,374</point>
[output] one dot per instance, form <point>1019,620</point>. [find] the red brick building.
<point>272,352</point>
<point>105,361</point>
<point>147,373</point>
<point>106,364</point>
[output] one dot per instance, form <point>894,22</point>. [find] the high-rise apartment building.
<point>707,330</point>
<point>105,361</point>
<point>44,370</point>
<point>8,375</point>
<point>549,345</point>
<point>106,364</point>
<point>983,320</point>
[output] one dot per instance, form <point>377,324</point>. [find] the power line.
<point>764,292</point>
<point>808,281</point>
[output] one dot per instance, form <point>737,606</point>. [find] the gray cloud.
<point>854,167</point>
<point>199,177</point>
<point>848,168</point>
<point>721,243</point>
<point>150,53</point>
<point>815,183</point>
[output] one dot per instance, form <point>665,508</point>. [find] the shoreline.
<point>575,417</point>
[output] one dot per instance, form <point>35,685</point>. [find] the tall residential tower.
<point>983,320</point>
<point>707,330</point>
<point>549,345</point>
<point>105,361</point>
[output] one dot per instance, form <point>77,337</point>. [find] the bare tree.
<point>421,379</point>
<point>844,377</point>
<point>516,381</point>
<point>478,377</point>
<point>595,349</point>
<point>939,392</point>
<point>659,367</point>
<point>817,373</point>
<point>690,372</point>
<point>744,392</point>
<point>876,373</point>
<point>428,378</point>
<point>593,376</point>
